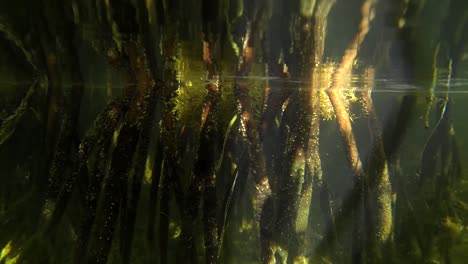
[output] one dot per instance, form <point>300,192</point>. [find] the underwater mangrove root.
<point>207,156</point>
<point>69,119</point>
<point>168,124</point>
<point>345,127</point>
<point>248,127</point>
<point>344,69</point>
<point>9,34</point>
<point>95,140</point>
<point>313,160</point>
<point>111,119</point>
<point>203,185</point>
<point>379,201</point>
<point>120,163</point>
<point>8,126</point>
<point>144,119</point>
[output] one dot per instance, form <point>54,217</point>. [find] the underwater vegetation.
<point>233,131</point>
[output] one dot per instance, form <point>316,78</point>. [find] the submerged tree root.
<point>345,127</point>
<point>8,126</point>
<point>249,128</point>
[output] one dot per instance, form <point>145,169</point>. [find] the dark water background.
<point>107,156</point>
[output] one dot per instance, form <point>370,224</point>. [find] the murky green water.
<point>233,131</point>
